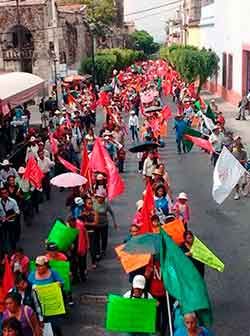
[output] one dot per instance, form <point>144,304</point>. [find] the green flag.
<point>197,106</point>
<point>192,132</point>
<point>210,114</point>
<point>183,281</point>
<point>202,253</point>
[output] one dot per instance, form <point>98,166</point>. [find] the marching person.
<point>133,125</point>
<point>46,165</point>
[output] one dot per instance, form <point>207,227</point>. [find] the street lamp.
<point>92,28</point>
<point>53,55</point>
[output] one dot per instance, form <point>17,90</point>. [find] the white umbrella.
<point>68,180</point>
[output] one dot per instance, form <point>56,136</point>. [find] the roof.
<point>19,87</point>
<point>71,8</point>
<point>9,3</point>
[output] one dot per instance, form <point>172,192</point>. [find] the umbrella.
<point>74,78</point>
<point>68,180</point>
<point>144,147</point>
<point>153,109</point>
<point>145,243</point>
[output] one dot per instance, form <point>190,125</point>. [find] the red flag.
<point>103,99</point>
<point>33,173</point>
<point>167,87</point>
<point>101,161</point>
<point>166,113</point>
<point>70,99</point>
<point>147,210</point>
<point>68,165</point>
<point>97,162</point>
<point>53,144</point>
<point>85,161</point>
<point>202,143</point>
<point>8,277</point>
<point>116,185</point>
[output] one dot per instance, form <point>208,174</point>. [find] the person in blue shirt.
<point>192,328</point>
<point>77,207</point>
<point>180,126</point>
<point>161,199</point>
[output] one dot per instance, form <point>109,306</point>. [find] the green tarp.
<point>130,315</point>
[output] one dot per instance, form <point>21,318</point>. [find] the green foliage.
<point>106,60</point>
<point>192,63</point>
<point>142,40</point>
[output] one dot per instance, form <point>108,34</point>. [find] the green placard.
<point>62,268</point>
<point>62,235</point>
<point>130,315</point>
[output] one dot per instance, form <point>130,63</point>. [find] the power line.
<point>154,14</point>
<point>156,7</point>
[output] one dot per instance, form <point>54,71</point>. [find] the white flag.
<point>227,173</point>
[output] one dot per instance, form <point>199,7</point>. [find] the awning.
<point>18,88</point>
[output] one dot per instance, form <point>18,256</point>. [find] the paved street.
<point>225,229</point>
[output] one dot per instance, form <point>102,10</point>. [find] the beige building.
<point>40,37</point>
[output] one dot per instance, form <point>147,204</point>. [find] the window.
<point>224,70</point>
<point>230,72</point>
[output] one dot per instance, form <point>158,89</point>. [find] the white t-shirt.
<point>128,295</point>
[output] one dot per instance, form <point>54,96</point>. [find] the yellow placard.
<point>51,299</point>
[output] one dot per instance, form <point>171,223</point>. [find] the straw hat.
<point>41,260</point>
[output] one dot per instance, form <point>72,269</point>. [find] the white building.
<point>224,27</point>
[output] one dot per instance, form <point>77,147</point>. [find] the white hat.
<point>139,204</point>
<point>237,137</point>
<point>78,201</point>
<point>21,170</point>
<point>139,281</point>
<point>5,163</point>
<point>132,112</point>
<point>57,112</point>
<point>183,196</point>
<point>32,139</point>
<point>41,260</point>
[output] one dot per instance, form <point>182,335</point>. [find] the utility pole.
<point>19,35</point>
<point>185,23</point>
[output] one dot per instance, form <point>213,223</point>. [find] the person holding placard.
<point>138,291</point>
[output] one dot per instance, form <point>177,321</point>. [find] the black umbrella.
<point>153,109</point>
<point>144,147</point>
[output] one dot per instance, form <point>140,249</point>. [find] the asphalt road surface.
<point>225,230</point>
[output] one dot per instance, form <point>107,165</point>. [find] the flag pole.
<point>169,315</point>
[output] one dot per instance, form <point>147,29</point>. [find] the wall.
<point>230,34</point>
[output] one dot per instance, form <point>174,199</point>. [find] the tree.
<point>142,40</point>
<point>100,12</point>
<point>192,63</point>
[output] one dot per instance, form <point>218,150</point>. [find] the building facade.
<point>39,37</point>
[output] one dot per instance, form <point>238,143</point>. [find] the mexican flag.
<point>192,132</point>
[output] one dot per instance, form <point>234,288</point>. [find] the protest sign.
<point>62,235</point>
<point>202,253</point>
<point>62,268</point>
<point>130,315</point>
<point>51,299</point>
<point>131,262</point>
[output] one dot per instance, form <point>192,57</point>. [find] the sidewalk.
<point>239,127</point>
